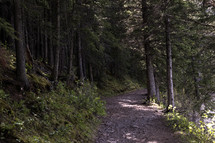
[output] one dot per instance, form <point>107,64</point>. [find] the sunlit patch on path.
<point>129,121</point>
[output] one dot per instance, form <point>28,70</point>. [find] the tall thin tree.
<point>169,64</point>
<point>57,48</point>
<point>80,59</point>
<point>149,65</point>
<point>20,49</point>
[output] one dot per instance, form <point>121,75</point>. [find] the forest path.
<point>129,121</point>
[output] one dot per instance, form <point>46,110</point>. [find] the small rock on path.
<point>129,121</point>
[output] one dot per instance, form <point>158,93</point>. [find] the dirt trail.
<point>128,121</point>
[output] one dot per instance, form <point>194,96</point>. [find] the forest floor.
<point>129,121</point>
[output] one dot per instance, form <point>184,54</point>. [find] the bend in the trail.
<point>129,121</point>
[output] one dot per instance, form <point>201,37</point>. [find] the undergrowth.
<point>111,86</point>
<point>61,116</point>
<point>39,82</point>
<point>189,130</point>
<point>5,60</point>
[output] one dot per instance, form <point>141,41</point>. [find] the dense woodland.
<point>166,46</point>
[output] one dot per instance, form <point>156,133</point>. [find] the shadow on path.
<point>128,121</point>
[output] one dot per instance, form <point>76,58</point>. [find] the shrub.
<point>193,133</point>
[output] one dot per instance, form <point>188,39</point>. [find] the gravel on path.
<point>129,121</point>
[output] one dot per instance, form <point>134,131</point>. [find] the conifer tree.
<point>20,49</point>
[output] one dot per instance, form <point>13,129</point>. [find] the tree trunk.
<point>20,49</point>
<point>71,45</point>
<point>50,41</point>
<point>196,109</point>
<point>195,79</point>
<point>57,47</point>
<point>91,72</point>
<point>81,73</point>
<point>157,90</point>
<point>150,72</point>
<point>46,47</point>
<point>149,65</point>
<point>38,43</point>
<point>45,58</point>
<point>84,65</point>
<point>169,65</point>
<point>51,53</point>
<point>42,37</point>
<point>62,59</point>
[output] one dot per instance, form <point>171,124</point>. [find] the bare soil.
<point>129,121</point>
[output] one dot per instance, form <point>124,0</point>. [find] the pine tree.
<point>20,49</point>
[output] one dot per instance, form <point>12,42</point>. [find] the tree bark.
<point>20,49</point>
<point>42,38</point>
<point>45,58</point>
<point>91,72</point>
<point>157,90</point>
<point>81,73</point>
<point>170,89</point>
<point>149,65</point>
<point>195,79</point>
<point>62,59</point>
<point>38,43</point>
<point>71,44</point>
<point>46,47</point>
<point>150,72</point>
<point>50,43</point>
<point>57,47</point>
<point>196,110</point>
<point>84,64</point>
<point>51,53</point>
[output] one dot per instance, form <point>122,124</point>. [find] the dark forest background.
<point>71,47</point>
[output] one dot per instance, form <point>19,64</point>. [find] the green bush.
<point>191,132</point>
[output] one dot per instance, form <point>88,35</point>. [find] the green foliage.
<point>5,110</point>
<point>94,51</point>
<point>111,86</point>
<point>40,82</point>
<point>4,106</point>
<point>7,27</point>
<point>61,116</point>
<point>190,130</point>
